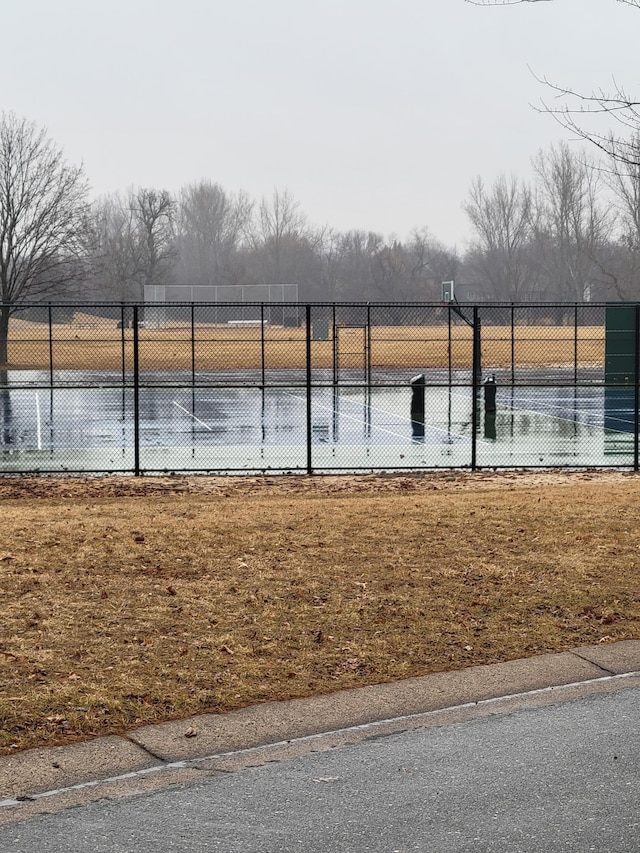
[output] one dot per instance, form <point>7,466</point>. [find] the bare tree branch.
<point>211,224</point>
<point>502,218</point>
<point>579,112</point>
<point>635,3</point>
<point>154,212</point>
<point>42,219</point>
<point>509,2</point>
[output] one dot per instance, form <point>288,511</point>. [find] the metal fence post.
<point>136,396</point>
<point>575,344</point>
<point>475,388</point>
<point>193,360</point>
<point>449,340</point>
<point>308,383</point>
<point>123,366</point>
<point>367,344</point>
<point>123,354</point>
<point>262,353</point>
<point>50,348</point>
<point>513,343</point>
<point>334,343</point>
<point>636,391</point>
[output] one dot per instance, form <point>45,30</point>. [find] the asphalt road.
<point>562,777</point>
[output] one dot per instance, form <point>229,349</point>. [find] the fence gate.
<point>352,352</point>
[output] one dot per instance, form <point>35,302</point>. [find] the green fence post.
<point>308,384</point>
<point>50,348</point>
<point>136,396</point>
<point>513,343</point>
<point>636,389</point>
<point>475,388</point>
<point>262,345</point>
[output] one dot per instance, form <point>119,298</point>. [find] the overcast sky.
<point>375,114</point>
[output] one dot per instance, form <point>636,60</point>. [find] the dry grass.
<point>129,601</point>
<point>83,347</point>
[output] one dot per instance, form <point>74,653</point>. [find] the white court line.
<point>348,417</point>
<point>553,417</point>
<point>378,428</point>
<point>38,425</point>
<point>191,415</point>
<point>393,415</point>
<point>515,409</point>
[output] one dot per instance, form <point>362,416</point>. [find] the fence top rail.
<point>79,306</point>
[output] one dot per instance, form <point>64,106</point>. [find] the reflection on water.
<point>490,432</point>
<point>417,430</point>
<point>6,418</point>
<point>620,422</point>
<point>357,424</point>
<point>619,407</point>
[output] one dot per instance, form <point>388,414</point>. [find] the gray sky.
<point>375,114</point>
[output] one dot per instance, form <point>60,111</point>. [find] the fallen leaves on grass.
<point>255,589</point>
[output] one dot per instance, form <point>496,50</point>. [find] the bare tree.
<point>582,113</point>
<point>431,264</point>
<point>133,242</point>
<point>623,180</point>
<point>42,219</point>
<point>502,220</point>
<point>279,217</point>
<point>154,212</point>
<point>571,226</point>
<point>411,270</point>
<point>357,255</point>
<point>211,226</point>
<point>116,248</point>
<point>281,248</point>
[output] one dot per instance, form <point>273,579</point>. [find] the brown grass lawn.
<point>82,346</point>
<point>127,601</point>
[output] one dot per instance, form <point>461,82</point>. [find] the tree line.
<point>581,221</point>
<point>571,233</point>
<point>206,235</point>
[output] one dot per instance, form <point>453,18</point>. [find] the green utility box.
<point>620,344</point>
<point>620,394</point>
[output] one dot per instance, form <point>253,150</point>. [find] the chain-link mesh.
<point>257,387</point>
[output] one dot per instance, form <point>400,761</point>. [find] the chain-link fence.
<point>316,388</point>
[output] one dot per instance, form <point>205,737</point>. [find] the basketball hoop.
<point>448,292</point>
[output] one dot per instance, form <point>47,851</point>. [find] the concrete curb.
<point>35,771</point>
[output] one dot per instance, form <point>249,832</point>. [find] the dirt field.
<point>86,345</point>
<point>129,601</point>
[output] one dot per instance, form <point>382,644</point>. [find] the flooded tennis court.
<point>229,422</point>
